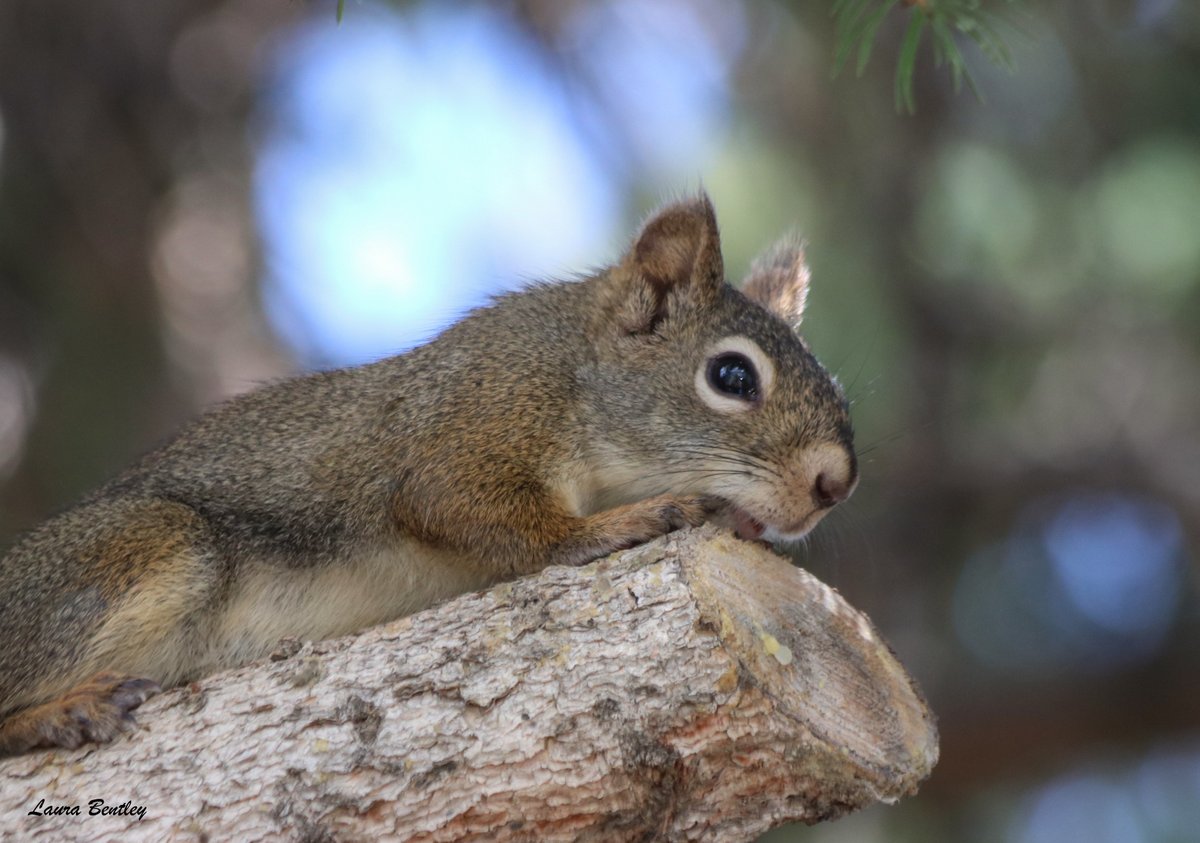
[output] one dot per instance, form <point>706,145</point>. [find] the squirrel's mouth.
<point>746,526</point>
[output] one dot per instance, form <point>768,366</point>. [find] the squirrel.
<point>558,424</point>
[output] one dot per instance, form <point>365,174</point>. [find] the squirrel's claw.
<point>98,710</point>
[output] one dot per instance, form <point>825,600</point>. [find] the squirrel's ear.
<point>778,281</point>
<point>677,251</point>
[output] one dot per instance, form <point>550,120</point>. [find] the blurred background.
<point>197,196</point>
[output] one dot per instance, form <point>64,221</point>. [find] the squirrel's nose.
<point>834,473</point>
<point>830,490</point>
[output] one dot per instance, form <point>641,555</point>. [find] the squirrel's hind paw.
<point>98,710</point>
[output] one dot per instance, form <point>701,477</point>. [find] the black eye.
<point>734,374</point>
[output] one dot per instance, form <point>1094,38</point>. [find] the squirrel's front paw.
<point>98,710</point>
<point>632,524</point>
<point>660,515</point>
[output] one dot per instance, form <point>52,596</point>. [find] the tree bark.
<point>694,688</point>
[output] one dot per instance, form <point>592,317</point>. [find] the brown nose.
<point>832,471</point>
<point>830,490</point>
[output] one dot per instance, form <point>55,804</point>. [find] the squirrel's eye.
<point>734,374</point>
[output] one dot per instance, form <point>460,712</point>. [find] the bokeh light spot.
<point>1147,214</point>
<point>1118,560</point>
<point>412,166</point>
<point>979,214</point>
<point>1090,582</point>
<point>1081,808</point>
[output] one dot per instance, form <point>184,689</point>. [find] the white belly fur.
<point>369,589</point>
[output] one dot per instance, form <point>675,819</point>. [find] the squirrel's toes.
<point>98,710</point>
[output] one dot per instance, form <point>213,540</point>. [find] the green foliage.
<point>858,22</point>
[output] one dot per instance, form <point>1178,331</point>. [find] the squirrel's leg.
<point>83,660</point>
<point>518,530</point>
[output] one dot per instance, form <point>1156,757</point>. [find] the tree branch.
<point>694,688</point>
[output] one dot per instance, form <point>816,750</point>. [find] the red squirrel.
<point>556,425</point>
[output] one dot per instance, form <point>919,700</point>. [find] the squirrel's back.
<point>269,468</point>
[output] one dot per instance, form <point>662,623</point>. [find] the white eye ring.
<point>748,348</point>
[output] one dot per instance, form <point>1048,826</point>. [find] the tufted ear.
<point>676,254</point>
<point>778,280</point>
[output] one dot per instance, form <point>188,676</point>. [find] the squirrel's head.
<point>701,389</point>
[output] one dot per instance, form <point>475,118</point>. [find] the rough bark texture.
<point>695,688</point>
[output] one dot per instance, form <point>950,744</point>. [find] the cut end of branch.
<point>820,660</point>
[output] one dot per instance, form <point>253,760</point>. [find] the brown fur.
<point>553,427</point>
<point>779,281</point>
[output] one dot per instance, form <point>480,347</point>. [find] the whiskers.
<point>746,463</point>
<point>695,462</point>
<point>891,439</point>
<point>866,350</point>
<point>843,535</point>
<point>684,469</point>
